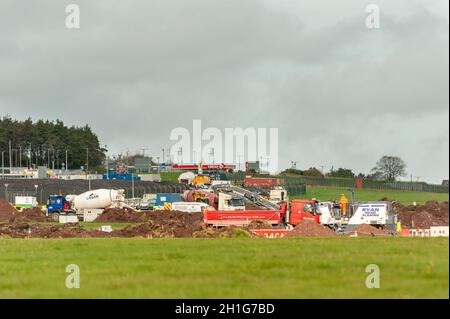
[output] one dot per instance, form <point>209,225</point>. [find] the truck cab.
<point>302,209</point>
<point>56,205</point>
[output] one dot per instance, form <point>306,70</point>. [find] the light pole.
<point>211,154</point>
<point>10,157</point>
<point>180,155</point>
<point>132,185</point>
<point>87,160</point>
<point>6,192</point>
<point>3,164</point>
<point>107,162</point>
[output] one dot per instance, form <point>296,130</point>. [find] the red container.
<point>221,218</point>
<point>260,182</point>
<point>359,183</point>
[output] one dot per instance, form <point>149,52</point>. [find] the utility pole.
<point>67,167</point>
<point>10,157</point>
<point>239,163</point>
<point>6,193</point>
<point>107,162</point>
<point>211,154</point>
<point>87,160</point>
<point>321,168</point>
<point>31,157</point>
<point>3,164</point>
<point>132,185</point>
<point>143,151</point>
<point>20,156</point>
<point>180,155</point>
<point>164,160</point>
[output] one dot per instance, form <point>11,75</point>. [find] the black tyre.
<point>55,216</point>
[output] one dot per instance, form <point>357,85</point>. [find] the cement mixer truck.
<point>90,203</point>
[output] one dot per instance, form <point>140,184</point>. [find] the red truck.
<point>221,218</point>
<point>298,210</point>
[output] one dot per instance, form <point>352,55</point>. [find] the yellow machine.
<point>201,180</point>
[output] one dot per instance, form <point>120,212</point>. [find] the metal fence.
<point>42,189</point>
<point>291,181</point>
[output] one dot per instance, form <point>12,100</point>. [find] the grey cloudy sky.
<point>341,95</point>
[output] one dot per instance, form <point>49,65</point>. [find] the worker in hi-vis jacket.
<point>344,203</point>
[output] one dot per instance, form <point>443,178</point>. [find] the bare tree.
<point>389,168</point>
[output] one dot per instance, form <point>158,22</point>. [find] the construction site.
<point>206,205</point>
<point>205,150</point>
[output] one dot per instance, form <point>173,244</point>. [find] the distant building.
<point>253,166</point>
<point>142,164</point>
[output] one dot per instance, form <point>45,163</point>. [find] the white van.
<point>189,207</point>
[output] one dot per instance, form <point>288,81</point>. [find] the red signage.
<point>204,166</point>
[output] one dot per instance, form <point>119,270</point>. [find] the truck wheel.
<point>55,217</point>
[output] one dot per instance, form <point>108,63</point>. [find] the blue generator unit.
<point>170,198</point>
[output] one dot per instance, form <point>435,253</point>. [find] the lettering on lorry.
<point>371,211</point>
<point>92,196</point>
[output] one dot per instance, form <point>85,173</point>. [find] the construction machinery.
<point>94,201</point>
<point>341,217</point>
<point>231,208</point>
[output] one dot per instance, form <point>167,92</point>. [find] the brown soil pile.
<point>31,215</point>
<point>164,224</point>
<point>7,212</point>
<point>369,230</point>
<point>259,224</point>
<point>116,215</point>
<point>226,232</point>
<point>309,228</point>
<point>423,216</point>
<point>25,230</point>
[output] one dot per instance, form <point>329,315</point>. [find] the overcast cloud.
<point>341,95</point>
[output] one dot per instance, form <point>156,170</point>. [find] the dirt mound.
<point>31,215</point>
<point>369,230</point>
<point>7,212</point>
<point>26,230</point>
<point>259,224</point>
<point>226,232</point>
<point>431,213</point>
<point>163,224</point>
<point>309,228</point>
<point>115,215</point>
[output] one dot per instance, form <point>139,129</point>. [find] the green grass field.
<point>407,198</point>
<point>225,268</point>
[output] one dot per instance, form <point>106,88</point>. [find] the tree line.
<point>47,143</point>
<point>387,168</point>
